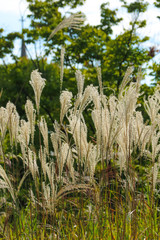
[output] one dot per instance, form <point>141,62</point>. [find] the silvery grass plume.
<point>127,104</point>
<point>31,162</point>
<point>66,158</point>
<point>80,86</point>
<point>96,118</point>
<point>37,83</point>
<point>13,122</point>
<point>56,139</point>
<point>152,107</point>
<point>65,155</point>
<point>142,132</point>
<point>24,138</point>
<point>74,21</point>
<point>114,126</point>
<point>154,173</point>
<point>102,124</point>
<point>119,116</point>
<point>50,194</point>
<point>126,80</point>
<point>104,116</point>
<point>43,158</point>
<point>44,131</point>
<point>49,191</point>
<point>31,116</point>
<point>156,112</point>
<point>105,119</point>
<point>24,133</point>
<point>93,157</point>
<point>126,109</point>
<point>78,129</point>
<point>55,143</point>
<point>154,152</point>
<point>65,100</point>
<point>125,146</point>
<point>83,101</point>
<point>107,129</point>
<point>51,177</point>
<point>80,82</point>
<point>62,151</point>
<point>5,183</point>
<point>96,99</point>
<point>4,116</point>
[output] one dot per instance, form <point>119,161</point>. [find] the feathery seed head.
<point>44,131</point>
<point>24,133</point>
<point>32,163</point>
<point>55,140</point>
<point>5,183</point>
<point>80,81</point>
<point>155,170</point>
<point>4,116</point>
<point>78,129</point>
<point>96,98</point>
<point>86,98</point>
<point>74,21</point>
<point>65,100</point>
<point>43,157</point>
<point>31,116</point>
<point>126,80</point>
<point>92,159</point>
<point>37,83</point>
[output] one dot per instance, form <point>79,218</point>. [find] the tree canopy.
<point>85,48</point>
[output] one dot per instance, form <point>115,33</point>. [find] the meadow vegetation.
<point>62,183</point>
<point>92,170</point>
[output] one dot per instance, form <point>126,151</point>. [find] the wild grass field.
<point>66,183</point>
<point>63,183</point>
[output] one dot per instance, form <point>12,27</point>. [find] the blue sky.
<point>11,11</point>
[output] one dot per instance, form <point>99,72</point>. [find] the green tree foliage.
<point>45,16</point>
<point>97,44</point>
<point>155,68</point>
<point>122,52</point>
<point>84,49</point>
<point>7,42</point>
<point>155,73</point>
<point>137,6</point>
<point>86,46</point>
<point>125,49</point>
<point>157,3</point>
<point>108,18</point>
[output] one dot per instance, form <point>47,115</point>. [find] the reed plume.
<point>37,83</point>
